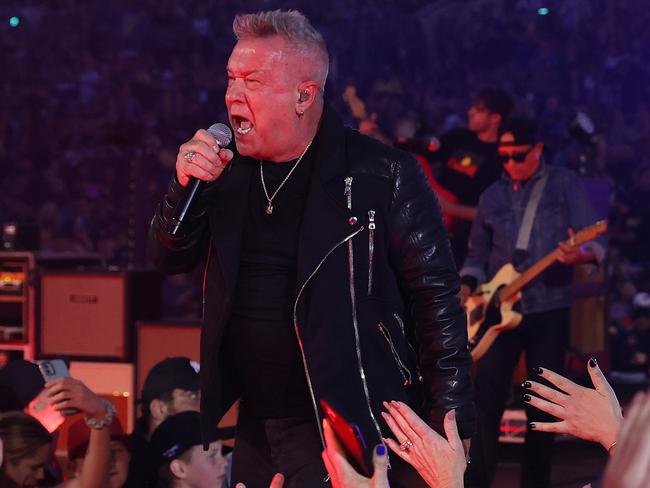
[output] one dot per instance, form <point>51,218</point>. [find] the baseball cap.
<point>79,436</point>
<point>21,381</point>
<point>180,432</point>
<point>523,129</point>
<point>168,374</point>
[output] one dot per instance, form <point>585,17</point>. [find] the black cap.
<point>169,374</point>
<point>21,381</point>
<point>180,432</point>
<point>523,129</point>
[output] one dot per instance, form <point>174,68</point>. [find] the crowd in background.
<point>96,98</point>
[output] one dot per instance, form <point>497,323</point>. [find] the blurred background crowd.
<point>97,96</point>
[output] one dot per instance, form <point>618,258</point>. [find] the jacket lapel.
<point>326,220</point>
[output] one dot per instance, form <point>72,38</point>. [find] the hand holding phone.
<point>52,370</point>
<point>350,437</point>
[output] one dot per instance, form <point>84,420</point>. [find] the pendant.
<point>269,209</point>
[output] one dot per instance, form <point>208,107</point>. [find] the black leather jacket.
<point>376,283</point>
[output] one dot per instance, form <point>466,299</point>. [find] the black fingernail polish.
<point>592,362</point>
<point>526,384</point>
<point>526,397</point>
<point>538,370</point>
<point>532,426</point>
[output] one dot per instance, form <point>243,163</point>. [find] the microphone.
<point>222,136</point>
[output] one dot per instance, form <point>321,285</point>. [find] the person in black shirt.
<point>469,164</point>
<point>328,274</point>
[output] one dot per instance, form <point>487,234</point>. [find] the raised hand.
<point>342,474</point>
<point>201,158</point>
<point>439,461</point>
<point>66,393</point>
<point>276,482</point>
<point>590,414</point>
<point>629,464</point>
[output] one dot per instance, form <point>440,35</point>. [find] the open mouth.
<point>241,125</point>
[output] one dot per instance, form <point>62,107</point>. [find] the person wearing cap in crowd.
<point>171,386</point>
<point>469,163</point>
<point>179,456</point>
<point>544,332</point>
<point>78,440</point>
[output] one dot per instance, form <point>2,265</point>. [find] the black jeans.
<point>292,446</point>
<point>544,337</point>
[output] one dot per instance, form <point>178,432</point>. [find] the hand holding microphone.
<point>201,159</point>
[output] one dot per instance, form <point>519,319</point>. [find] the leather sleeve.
<point>421,252</point>
<point>180,253</point>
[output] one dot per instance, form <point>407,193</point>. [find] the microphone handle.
<point>193,187</point>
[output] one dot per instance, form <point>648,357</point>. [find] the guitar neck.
<point>527,276</point>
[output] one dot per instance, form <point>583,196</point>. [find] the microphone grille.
<point>221,133</point>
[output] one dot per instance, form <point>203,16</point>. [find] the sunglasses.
<point>517,158</point>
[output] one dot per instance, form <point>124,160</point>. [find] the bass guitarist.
<point>521,218</point>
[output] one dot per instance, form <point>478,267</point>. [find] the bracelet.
<point>109,413</point>
<point>609,449</point>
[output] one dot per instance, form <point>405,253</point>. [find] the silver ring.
<point>406,445</point>
<point>189,155</point>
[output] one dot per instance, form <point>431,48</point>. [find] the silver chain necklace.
<point>269,207</point>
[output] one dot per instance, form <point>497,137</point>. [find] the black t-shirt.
<point>261,336</point>
<point>469,165</point>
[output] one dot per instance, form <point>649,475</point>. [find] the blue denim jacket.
<point>564,203</point>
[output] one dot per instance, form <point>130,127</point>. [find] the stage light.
<point>14,21</point>
<point>543,11</point>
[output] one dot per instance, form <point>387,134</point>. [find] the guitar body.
<point>488,315</point>
<point>489,310</point>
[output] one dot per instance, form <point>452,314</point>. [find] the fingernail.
<point>216,149</point>
<point>538,370</point>
<point>452,414</point>
<point>526,384</point>
<point>592,362</point>
<point>380,450</point>
<point>532,426</point>
<point>526,397</point>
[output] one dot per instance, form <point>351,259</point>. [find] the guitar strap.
<point>523,239</point>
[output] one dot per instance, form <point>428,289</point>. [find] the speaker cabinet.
<point>91,315</point>
<point>164,339</point>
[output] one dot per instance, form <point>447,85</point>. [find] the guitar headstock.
<point>588,233</point>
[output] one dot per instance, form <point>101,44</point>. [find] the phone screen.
<point>350,437</point>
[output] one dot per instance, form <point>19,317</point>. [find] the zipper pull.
<point>348,186</point>
<point>371,219</point>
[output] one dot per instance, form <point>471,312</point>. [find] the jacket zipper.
<point>404,371</point>
<point>400,322</point>
<point>355,323</point>
<point>205,277</point>
<point>297,331</point>
<point>371,247</point>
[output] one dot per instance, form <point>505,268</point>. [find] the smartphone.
<point>53,369</point>
<point>350,436</point>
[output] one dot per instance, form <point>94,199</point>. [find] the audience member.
<point>180,457</point>
<point>171,386</point>
<point>28,446</point>
<point>78,442</point>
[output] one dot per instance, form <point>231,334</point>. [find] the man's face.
<point>261,98</point>
<point>206,469</point>
<point>27,472</point>
<point>480,119</point>
<point>520,161</point>
<point>184,401</point>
